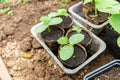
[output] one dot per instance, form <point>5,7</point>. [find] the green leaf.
<point>45,19</point>
<point>53,14</point>
<point>62,12</point>
<point>4,10</point>
<point>76,38</point>
<point>108,6</point>
<point>41,28</point>
<point>66,52</point>
<point>76,28</point>
<point>4,1</point>
<point>115,22</point>
<point>62,40</point>
<point>118,41</point>
<point>55,21</point>
<point>87,1</point>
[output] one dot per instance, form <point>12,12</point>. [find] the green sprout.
<point>60,12</point>
<point>108,6</point>
<point>67,49</point>
<point>76,28</point>
<point>64,3</point>
<point>47,22</point>
<point>6,11</point>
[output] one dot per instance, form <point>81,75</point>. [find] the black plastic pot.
<point>101,70</point>
<point>111,41</point>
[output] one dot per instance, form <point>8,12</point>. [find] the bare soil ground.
<point>16,41</point>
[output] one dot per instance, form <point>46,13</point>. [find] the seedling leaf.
<point>76,28</point>
<point>66,52</point>
<point>53,14</point>
<point>76,38</point>
<point>62,12</point>
<point>41,28</point>
<point>108,6</point>
<point>118,41</point>
<point>115,22</point>
<point>45,19</point>
<point>55,21</point>
<point>62,40</point>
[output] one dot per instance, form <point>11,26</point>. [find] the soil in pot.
<point>111,41</point>
<point>67,22</point>
<point>87,40</point>
<point>112,74</point>
<point>51,37</point>
<point>89,14</point>
<point>78,57</point>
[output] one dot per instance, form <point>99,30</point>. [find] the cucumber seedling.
<point>67,45</point>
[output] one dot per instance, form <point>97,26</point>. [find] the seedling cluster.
<point>112,7</point>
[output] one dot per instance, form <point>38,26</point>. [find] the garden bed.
<point>16,41</point>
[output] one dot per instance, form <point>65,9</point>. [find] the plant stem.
<point>96,12</point>
<point>48,29</point>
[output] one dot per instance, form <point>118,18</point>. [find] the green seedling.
<point>114,21</point>
<point>60,12</point>
<point>41,59</point>
<point>108,6</point>
<point>47,22</point>
<point>76,28</point>
<point>50,64</point>
<point>3,1</point>
<point>67,45</point>
<point>6,11</point>
<point>64,3</point>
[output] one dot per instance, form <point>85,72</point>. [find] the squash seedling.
<point>67,45</point>
<point>59,13</point>
<point>109,6</point>
<point>48,21</point>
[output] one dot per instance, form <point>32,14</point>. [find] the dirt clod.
<point>25,44</point>
<point>36,44</point>
<point>9,30</point>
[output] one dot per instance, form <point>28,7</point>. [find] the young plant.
<point>67,45</point>
<point>64,3</point>
<point>60,12</point>
<point>114,21</point>
<point>48,21</point>
<point>6,10</point>
<point>108,6</point>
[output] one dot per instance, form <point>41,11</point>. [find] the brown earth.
<point>16,39</point>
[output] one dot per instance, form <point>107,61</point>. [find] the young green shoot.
<point>59,13</point>
<point>47,22</point>
<point>67,45</point>
<point>64,3</point>
<point>6,11</point>
<point>76,28</point>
